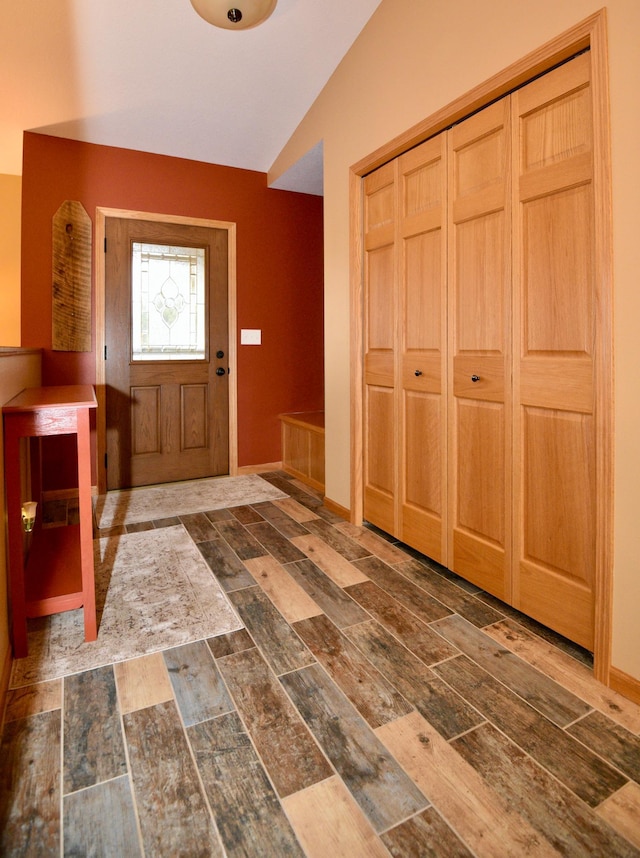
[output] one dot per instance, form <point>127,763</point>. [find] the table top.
<point>39,398</point>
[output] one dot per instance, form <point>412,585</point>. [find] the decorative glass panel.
<point>168,302</point>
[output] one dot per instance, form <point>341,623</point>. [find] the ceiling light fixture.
<point>243,16</point>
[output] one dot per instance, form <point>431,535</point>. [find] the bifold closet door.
<point>479,419</point>
<point>405,348</point>
<point>422,338</point>
<point>379,334</point>
<point>498,304</point>
<point>557,336</point>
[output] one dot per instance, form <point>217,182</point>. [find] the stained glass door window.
<point>168,302</point>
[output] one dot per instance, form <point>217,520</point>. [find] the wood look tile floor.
<point>373,705</point>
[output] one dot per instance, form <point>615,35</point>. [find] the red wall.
<point>279,268</point>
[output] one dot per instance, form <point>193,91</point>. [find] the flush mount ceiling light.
<point>242,16</point>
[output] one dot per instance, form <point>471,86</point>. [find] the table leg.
<point>15,539</point>
<point>86,526</point>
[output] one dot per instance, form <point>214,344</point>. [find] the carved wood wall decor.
<point>71,310</point>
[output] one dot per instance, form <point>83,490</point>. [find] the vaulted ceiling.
<point>152,75</point>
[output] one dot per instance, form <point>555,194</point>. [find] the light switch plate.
<point>250,337</point>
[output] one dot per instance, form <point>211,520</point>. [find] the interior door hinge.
<point>105,352</point>
<point>105,461</point>
<point>105,244</point>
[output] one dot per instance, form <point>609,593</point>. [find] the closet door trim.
<point>590,33</point>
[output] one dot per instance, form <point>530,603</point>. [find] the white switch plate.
<point>250,337</point>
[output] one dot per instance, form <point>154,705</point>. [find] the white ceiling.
<point>152,75</point>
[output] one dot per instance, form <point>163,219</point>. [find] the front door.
<point>166,336</point>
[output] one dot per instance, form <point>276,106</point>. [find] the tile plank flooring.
<point>373,705</point>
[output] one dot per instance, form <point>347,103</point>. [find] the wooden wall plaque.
<point>71,310</point>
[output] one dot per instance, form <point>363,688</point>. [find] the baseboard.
<point>259,469</point>
<point>624,684</point>
<point>337,508</point>
<point>303,478</point>
<point>5,676</point>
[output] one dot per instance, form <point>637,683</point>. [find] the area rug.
<point>154,590</point>
<point>157,502</point>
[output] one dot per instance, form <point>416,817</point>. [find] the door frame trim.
<point>102,214</point>
<point>590,33</point>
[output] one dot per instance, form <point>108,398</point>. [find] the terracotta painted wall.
<point>411,60</point>
<point>279,269</point>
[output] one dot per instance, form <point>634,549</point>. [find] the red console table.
<point>58,575</point>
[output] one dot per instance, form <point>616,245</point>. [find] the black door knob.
<point>219,354</point>
<point>221,371</point>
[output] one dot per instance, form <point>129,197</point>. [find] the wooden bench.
<point>303,447</point>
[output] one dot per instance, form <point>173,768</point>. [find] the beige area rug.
<point>157,502</point>
<point>154,590</point>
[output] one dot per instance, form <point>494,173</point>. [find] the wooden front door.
<point>167,397</point>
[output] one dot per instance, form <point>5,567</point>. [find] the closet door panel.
<point>422,509</point>
<point>558,289</point>
<point>480,349</point>
<point>380,333</point>
<point>557,497</point>
<point>422,278</point>
<point>422,269</point>
<point>479,536</point>
<point>379,471</point>
<point>479,276</point>
<point>555,569</point>
<point>555,332</point>
<point>490,386</point>
<point>481,469</point>
<point>380,302</point>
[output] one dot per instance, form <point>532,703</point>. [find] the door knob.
<point>418,372</point>
<point>221,371</point>
<point>475,378</point>
<point>219,354</point>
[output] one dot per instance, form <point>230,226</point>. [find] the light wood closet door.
<point>480,350</point>
<point>380,332</point>
<point>507,281</point>
<point>422,194</point>
<point>556,335</point>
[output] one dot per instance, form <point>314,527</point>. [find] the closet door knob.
<point>475,378</point>
<point>418,372</point>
